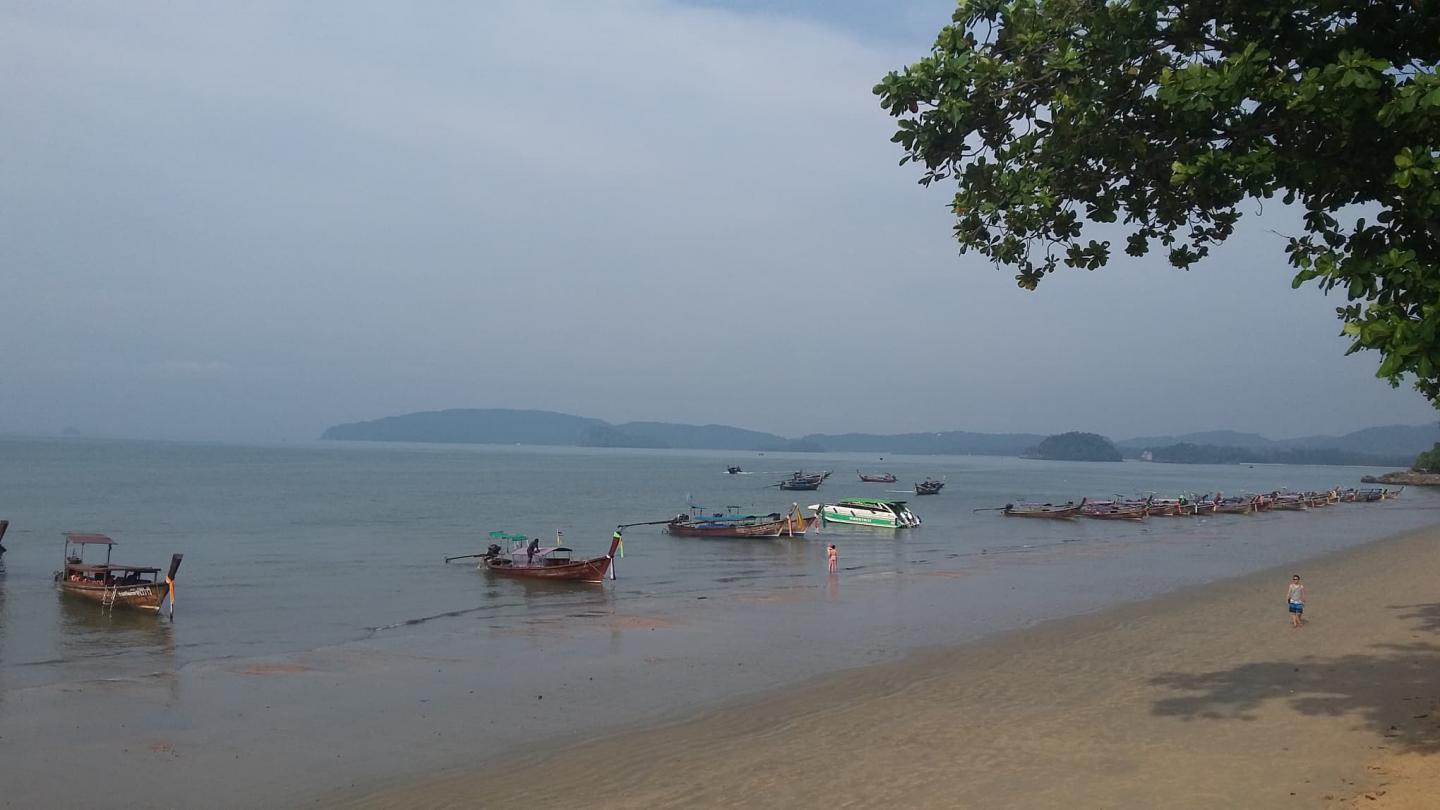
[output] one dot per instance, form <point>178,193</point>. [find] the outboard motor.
<point>492,552</point>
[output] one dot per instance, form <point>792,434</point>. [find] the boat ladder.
<point>107,599</point>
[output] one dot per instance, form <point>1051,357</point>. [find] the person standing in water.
<point>1295,598</point>
<point>834,556</point>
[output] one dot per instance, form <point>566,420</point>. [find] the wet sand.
<point>1201,698</point>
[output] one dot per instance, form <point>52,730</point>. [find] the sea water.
<point>326,559</point>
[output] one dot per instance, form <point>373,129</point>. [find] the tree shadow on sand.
<point>1392,690</point>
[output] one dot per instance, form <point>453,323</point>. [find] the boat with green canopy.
<point>526,558</point>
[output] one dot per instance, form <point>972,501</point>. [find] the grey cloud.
<point>250,222</point>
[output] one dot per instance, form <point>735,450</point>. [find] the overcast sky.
<point>251,221</point>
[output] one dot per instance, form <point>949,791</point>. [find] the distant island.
<point>1391,446</point>
<point>1075,446</point>
<point>504,426</point>
<point>1186,453</point>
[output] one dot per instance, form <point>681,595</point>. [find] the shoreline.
<point>1201,697</point>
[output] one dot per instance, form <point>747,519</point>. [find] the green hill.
<point>1075,446</point>
<point>1381,446</point>
<point>715,437</point>
<point>488,426</point>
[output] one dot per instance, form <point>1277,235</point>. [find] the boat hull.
<point>1113,510</point>
<point>873,521</point>
<point>1051,512</point>
<point>769,528</point>
<point>591,570</point>
<point>858,516</point>
<point>141,596</point>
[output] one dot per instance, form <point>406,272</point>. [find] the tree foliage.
<point>1055,116</point>
<point>1428,461</point>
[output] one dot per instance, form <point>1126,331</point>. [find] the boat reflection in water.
<point>115,646</point>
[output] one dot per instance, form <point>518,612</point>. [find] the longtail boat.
<point>929,487</point>
<point>1063,511</point>
<point>1116,510</point>
<point>1171,507</point>
<point>1288,501</point>
<point>527,559</point>
<point>775,524</point>
<point>882,478</point>
<point>803,481</point>
<point>1235,505</point>
<point>110,584</point>
<point>733,470</point>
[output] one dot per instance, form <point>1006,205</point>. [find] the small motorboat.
<point>733,470</point>
<point>878,478</point>
<point>929,487</point>
<point>884,514</point>
<point>803,481</point>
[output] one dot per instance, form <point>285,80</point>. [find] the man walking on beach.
<point>1295,597</point>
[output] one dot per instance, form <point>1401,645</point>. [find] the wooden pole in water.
<point>170,580</point>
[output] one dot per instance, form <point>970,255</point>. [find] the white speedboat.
<point>867,512</point>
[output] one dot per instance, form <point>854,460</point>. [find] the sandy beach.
<point>1205,697</point>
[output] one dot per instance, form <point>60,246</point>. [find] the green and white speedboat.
<point>867,512</point>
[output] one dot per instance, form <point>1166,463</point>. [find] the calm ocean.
<point>327,558</point>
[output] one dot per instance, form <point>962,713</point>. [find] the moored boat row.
<point>1216,503</point>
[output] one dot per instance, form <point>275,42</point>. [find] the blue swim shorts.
<point>1297,607</point>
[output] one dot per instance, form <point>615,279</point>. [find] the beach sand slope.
<point>1203,698</point>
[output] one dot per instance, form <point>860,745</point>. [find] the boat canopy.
<point>82,539</point>
<point>102,568</point>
